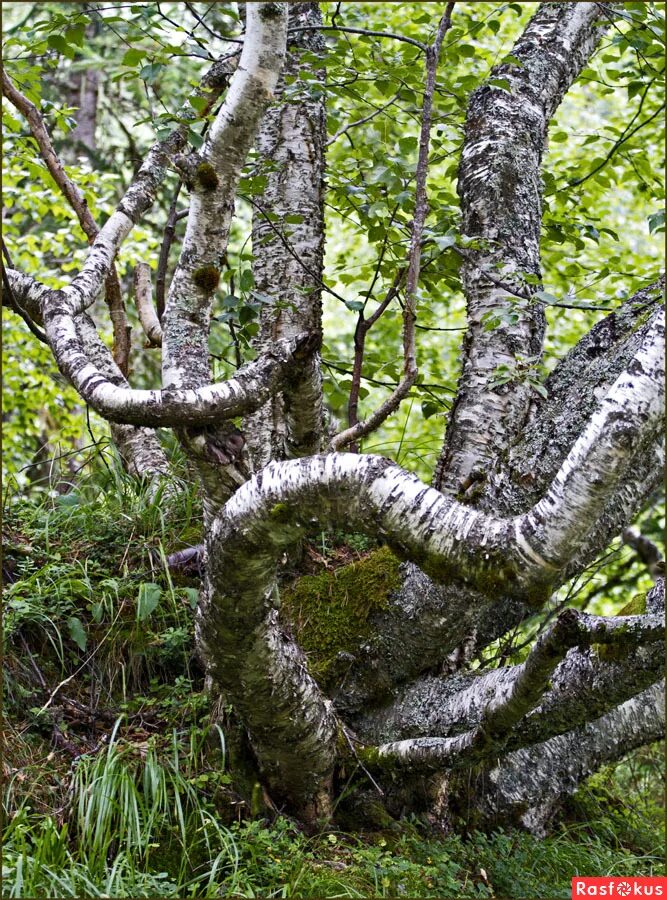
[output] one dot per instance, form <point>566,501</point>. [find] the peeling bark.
<point>527,785</point>
<point>500,190</point>
<point>288,245</point>
<point>586,684</point>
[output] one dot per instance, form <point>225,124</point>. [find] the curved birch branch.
<point>139,448</point>
<point>517,693</point>
<point>117,402</point>
<point>527,784</point>
<point>447,538</point>
<point>250,387</point>
<point>239,629</point>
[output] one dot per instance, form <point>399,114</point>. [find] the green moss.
<point>269,11</point>
<point>206,278</point>
<point>207,176</point>
<point>331,611</point>
<point>636,606</point>
<point>280,512</point>
<point>615,652</point>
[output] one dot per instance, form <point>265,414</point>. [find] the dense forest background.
<point>115,781</point>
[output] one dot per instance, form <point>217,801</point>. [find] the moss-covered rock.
<point>331,611</point>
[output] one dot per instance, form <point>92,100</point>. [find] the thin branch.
<point>410,371</point>
<point>76,199</point>
<point>290,249</point>
<point>163,261</point>
<point>627,134</point>
<point>368,118</point>
<point>360,333</point>
<point>646,550</point>
<point>365,31</point>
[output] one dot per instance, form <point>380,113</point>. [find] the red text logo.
<point>619,886</point>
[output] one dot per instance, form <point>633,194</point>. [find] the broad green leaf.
<point>148,599</point>
<point>77,632</point>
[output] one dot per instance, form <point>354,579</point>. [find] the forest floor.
<point>117,784</point>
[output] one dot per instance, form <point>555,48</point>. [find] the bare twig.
<point>368,118</point>
<point>75,198</point>
<point>625,136</point>
<point>410,370</point>
<point>360,332</point>
<point>365,31</point>
<point>167,240</point>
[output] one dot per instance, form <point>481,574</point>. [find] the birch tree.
<point>535,476</point>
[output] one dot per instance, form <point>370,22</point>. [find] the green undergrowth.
<point>147,823</point>
<point>117,780</point>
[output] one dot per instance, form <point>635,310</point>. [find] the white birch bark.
<point>139,448</point>
<point>458,720</point>
<point>239,629</point>
<point>424,623</point>
<point>500,191</point>
<point>288,243</point>
<point>215,174</point>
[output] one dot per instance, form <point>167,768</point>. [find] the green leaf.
<point>501,83</point>
<point>656,222</point>
<point>511,60</point>
<point>198,103</point>
<point>75,34</point>
<point>150,73</point>
<point>196,139</point>
<point>77,632</point>
<point>545,296</point>
<point>58,42</point>
<point>133,56</point>
<point>430,408</point>
<point>149,597</point>
<point>354,305</point>
<point>192,595</point>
